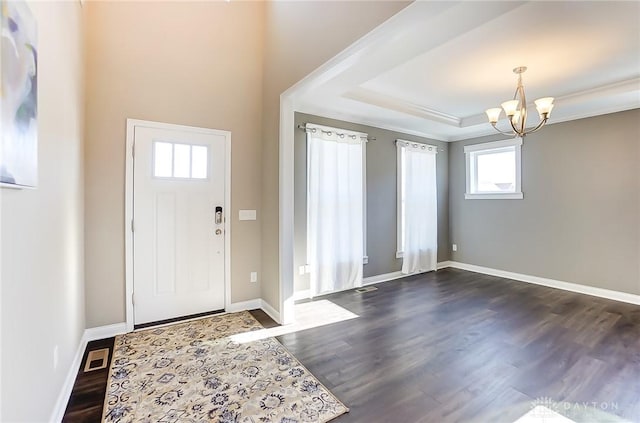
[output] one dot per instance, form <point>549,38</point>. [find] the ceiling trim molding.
<point>577,116</point>
<point>319,111</point>
<point>608,90</point>
<point>384,101</point>
<point>402,106</point>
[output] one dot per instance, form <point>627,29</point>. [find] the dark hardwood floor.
<point>87,397</point>
<point>457,346</point>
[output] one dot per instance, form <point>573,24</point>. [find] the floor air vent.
<point>366,289</point>
<point>96,360</point>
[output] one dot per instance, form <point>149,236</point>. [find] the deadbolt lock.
<point>218,231</point>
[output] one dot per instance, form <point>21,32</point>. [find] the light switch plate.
<point>247,215</point>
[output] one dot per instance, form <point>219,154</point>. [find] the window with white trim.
<point>180,161</point>
<point>493,170</point>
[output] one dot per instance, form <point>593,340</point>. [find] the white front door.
<point>178,221</point>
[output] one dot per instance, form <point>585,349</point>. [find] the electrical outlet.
<point>254,277</point>
<point>455,247</point>
<point>301,270</point>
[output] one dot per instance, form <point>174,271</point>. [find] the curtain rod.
<point>416,144</point>
<point>304,128</point>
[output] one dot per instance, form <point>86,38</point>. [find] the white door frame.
<point>128,207</point>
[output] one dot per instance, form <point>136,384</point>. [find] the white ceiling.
<point>435,67</point>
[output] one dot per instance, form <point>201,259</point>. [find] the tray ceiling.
<point>435,67</point>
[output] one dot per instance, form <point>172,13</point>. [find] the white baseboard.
<point>254,304</point>
<point>102,332</point>
<point>382,278</point>
<point>244,305</point>
<point>385,277</point>
<point>370,280</point>
<point>443,265</point>
<point>306,293</point>
<point>65,392</point>
<point>552,283</point>
<point>302,295</point>
<point>267,308</point>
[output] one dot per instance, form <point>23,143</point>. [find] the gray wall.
<point>579,219</point>
<point>381,197</point>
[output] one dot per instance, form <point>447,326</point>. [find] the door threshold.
<point>177,319</point>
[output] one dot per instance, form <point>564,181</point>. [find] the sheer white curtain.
<point>335,202</point>
<point>420,207</point>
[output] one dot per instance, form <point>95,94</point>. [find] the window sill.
<point>494,196</point>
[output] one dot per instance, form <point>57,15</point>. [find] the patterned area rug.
<point>193,372</point>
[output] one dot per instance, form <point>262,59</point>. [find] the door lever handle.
<point>218,218</point>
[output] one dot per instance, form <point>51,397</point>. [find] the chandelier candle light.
<point>516,110</point>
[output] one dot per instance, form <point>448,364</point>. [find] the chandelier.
<point>516,110</point>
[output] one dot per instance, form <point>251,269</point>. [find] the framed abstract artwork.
<point>18,96</point>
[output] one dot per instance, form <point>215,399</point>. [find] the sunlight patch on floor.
<point>308,315</point>
<point>542,414</point>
